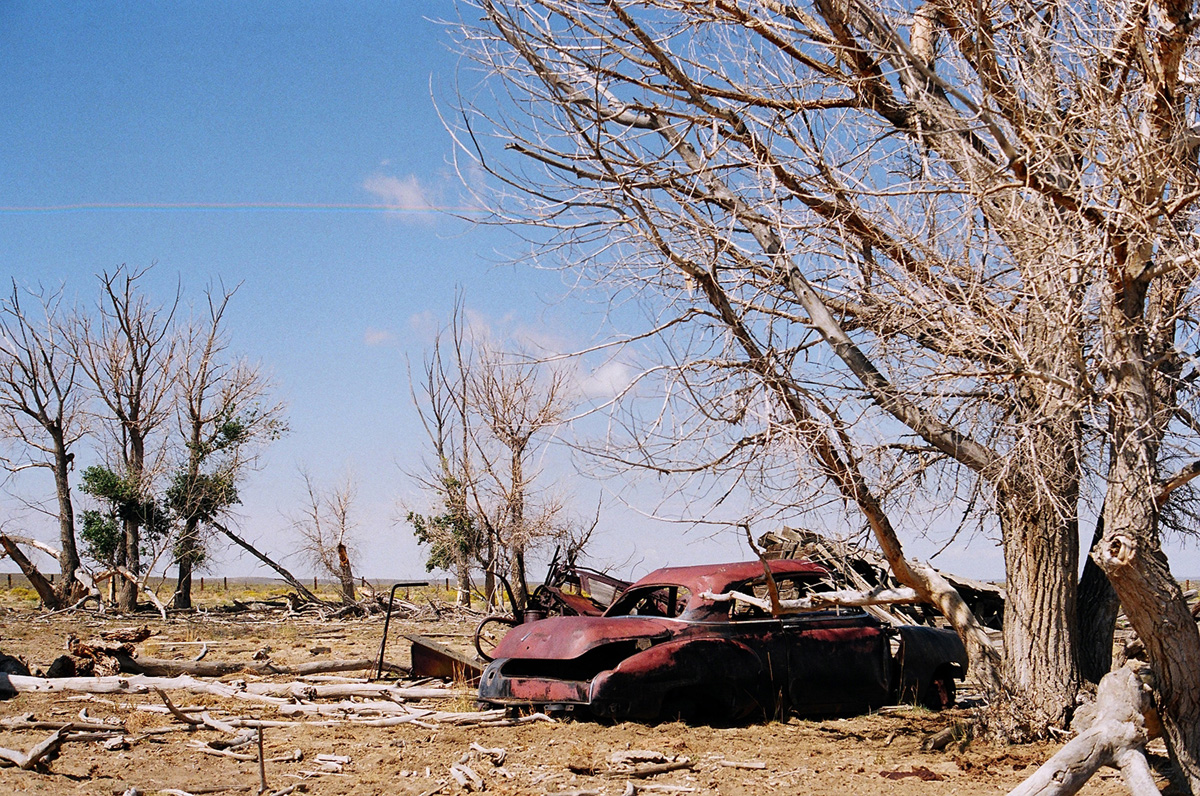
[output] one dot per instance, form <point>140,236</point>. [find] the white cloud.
<point>606,381</point>
<point>378,337</point>
<point>399,193</point>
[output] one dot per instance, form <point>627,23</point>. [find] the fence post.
<point>225,583</point>
<point>201,583</point>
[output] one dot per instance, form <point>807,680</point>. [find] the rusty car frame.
<point>667,649</point>
<point>568,590</point>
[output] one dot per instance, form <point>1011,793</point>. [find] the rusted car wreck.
<point>676,645</point>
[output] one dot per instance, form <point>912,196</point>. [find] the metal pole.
<point>387,619</point>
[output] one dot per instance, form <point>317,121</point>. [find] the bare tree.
<point>327,531</point>
<point>926,246</point>
<point>459,529</point>
<point>224,417</point>
<point>41,406</point>
<point>128,353</point>
<point>487,414</point>
<point>519,401</point>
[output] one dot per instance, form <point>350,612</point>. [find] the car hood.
<point>566,637</point>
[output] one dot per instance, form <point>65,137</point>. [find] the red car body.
<point>664,650</point>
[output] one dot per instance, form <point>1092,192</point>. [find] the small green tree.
<point>122,502</point>
<point>451,536</point>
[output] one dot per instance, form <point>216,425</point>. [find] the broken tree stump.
<point>1112,732</point>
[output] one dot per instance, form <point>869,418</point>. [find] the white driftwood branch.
<point>30,542</point>
<point>46,747</point>
<point>141,586</point>
<point>845,598</point>
<point>1112,732</point>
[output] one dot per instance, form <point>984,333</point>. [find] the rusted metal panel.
<point>431,659</point>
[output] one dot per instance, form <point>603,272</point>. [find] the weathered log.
<point>28,722</point>
<point>342,690</point>
<point>169,668</point>
<point>1112,732</point>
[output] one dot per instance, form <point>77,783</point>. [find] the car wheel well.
<point>941,692</point>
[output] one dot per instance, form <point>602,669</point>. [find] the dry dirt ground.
<point>878,753</point>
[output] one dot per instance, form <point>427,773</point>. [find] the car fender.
<point>923,652</point>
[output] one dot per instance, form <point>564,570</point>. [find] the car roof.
<point>717,578</point>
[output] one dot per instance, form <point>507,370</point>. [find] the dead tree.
<point>223,417</point>
<point>41,406</point>
<point>920,246</point>
<point>487,414</point>
<point>128,353</point>
<point>326,529</point>
<point>459,529</point>
<point>520,402</point>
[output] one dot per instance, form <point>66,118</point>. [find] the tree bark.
<point>1130,552</point>
<point>1039,617</point>
<point>463,579</point>
<point>345,574</point>
<point>1098,609</point>
<point>188,547</point>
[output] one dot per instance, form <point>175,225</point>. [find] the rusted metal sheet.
<point>431,659</point>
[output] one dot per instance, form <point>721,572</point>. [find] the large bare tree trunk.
<point>1130,552</point>
<point>345,574</point>
<point>187,547</point>
<point>68,560</point>
<point>463,579</point>
<point>1039,617</point>
<point>1098,609</point>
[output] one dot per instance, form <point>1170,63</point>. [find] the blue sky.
<point>254,143</point>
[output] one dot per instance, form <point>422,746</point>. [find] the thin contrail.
<point>295,207</point>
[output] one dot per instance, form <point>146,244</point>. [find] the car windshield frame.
<point>673,606</point>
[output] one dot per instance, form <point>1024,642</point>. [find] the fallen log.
<point>342,690</point>
<point>126,684</point>
<point>28,722</point>
<point>160,667</point>
<point>1112,732</point>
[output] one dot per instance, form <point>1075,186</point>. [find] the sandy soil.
<point>879,753</point>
